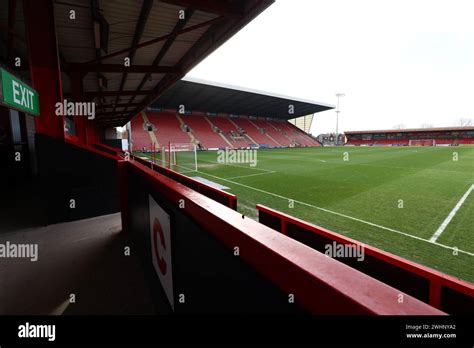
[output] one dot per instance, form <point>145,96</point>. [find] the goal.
<point>421,142</point>
<point>180,157</point>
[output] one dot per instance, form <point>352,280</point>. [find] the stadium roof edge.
<point>255,91</point>
<point>209,96</point>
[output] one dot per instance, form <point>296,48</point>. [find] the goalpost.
<point>179,156</point>
<point>422,142</point>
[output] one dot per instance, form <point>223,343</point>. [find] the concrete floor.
<point>85,258</point>
<point>21,206</point>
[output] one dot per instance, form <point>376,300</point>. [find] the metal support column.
<point>78,96</point>
<point>44,64</point>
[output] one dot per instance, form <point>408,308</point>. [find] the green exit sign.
<point>18,95</point>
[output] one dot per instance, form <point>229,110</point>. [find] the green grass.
<point>360,197</point>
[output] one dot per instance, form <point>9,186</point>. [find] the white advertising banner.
<point>160,233</point>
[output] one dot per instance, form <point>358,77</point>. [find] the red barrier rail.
<point>108,148</point>
<point>439,284</point>
<point>70,140</point>
<point>320,284</point>
<point>220,196</point>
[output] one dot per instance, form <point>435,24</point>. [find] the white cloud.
<point>409,62</point>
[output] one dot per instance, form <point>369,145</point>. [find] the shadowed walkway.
<point>85,258</point>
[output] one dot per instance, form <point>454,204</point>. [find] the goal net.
<point>421,142</point>
<point>181,157</point>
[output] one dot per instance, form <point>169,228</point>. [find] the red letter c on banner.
<point>158,230</point>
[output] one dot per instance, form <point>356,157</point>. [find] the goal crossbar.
<point>180,156</point>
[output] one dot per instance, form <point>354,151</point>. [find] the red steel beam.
<point>11,29</point>
<point>140,26</point>
<point>166,46</point>
<point>223,8</point>
<point>77,95</point>
<point>89,95</point>
<point>212,38</point>
<point>118,105</point>
<point>161,38</point>
<point>120,68</point>
<point>44,64</point>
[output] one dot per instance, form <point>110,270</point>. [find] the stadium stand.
<point>419,137</point>
<point>263,128</point>
<point>167,128</point>
<point>231,131</point>
<point>253,131</point>
<point>135,202</point>
<point>206,136</point>
<point>230,116</point>
<point>214,131</point>
<point>301,137</point>
<point>141,138</point>
<point>274,128</point>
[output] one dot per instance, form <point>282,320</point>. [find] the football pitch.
<point>415,202</point>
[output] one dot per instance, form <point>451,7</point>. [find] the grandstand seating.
<point>270,132</point>
<point>227,128</point>
<point>253,131</point>
<point>277,133</point>
<point>167,128</point>
<point>215,131</point>
<point>203,131</point>
<point>141,138</point>
<point>301,137</point>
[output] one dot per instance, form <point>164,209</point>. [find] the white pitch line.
<point>344,215</point>
<point>245,176</point>
<point>453,212</point>
<point>234,165</point>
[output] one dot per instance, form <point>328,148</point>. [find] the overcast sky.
<point>398,62</point>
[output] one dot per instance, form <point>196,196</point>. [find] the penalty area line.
<point>451,215</point>
<point>235,165</point>
<point>344,215</point>
<point>245,176</point>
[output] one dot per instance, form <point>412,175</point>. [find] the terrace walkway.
<point>84,257</point>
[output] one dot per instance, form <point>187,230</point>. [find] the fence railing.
<point>225,263</point>
<point>218,195</point>
<point>440,290</point>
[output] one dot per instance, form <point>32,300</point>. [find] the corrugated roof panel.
<point>112,76</point>
<point>65,82</point>
<point>75,36</point>
<point>119,40</point>
<point>162,19</point>
<point>147,54</point>
<point>176,52</point>
<point>90,85</point>
<point>121,14</point>
<point>150,84</point>
<point>113,85</point>
<point>76,39</point>
<point>199,17</point>
<point>133,81</point>
<point>119,59</point>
